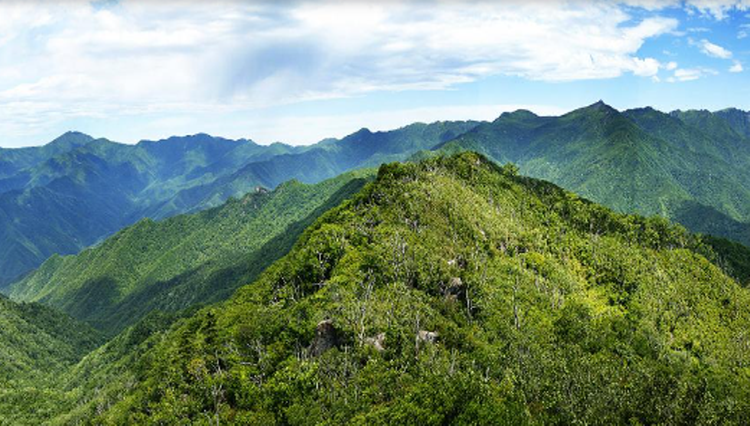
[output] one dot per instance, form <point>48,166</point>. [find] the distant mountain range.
<point>183,261</point>
<point>71,193</point>
<point>692,167</point>
<point>689,166</point>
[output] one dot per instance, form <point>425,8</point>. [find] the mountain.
<point>81,190</point>
<point>76,197</point>
<point>37,344</point>
<point>13,161</point>
<point>451,291</point>
<point>185,260</point>
<point>327,159</point>
<point>640,160</point>
<point>738,120</point>
<point>714,124</point>
<point>35,338</point>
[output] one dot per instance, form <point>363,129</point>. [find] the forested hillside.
<point>86,191</point>
<point>455,291</point>
<point>330,158</point>
<point>182,261</point>
<point>738,119</point>
<point>13,161</point>
<point>37,344</point>
<point>680,166</point>
<point>689,166</point>
<point>405,213</point>
<point>67,195</point>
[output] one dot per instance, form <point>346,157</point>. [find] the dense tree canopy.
<point>183,261</point>
<point>455,291</point>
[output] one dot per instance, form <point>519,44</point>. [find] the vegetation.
<point>36,345</point>
<point>75,191</point>
<point>739,120</point>
<point>72,193</point>
<point>12,161</point>
<point>450,290</point>
<point>182,261</point>
<point>678,166</point>
<point>456,291</point>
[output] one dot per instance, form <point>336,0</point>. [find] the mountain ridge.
<point>626,160</point>
<point>118,184</point>
<point>457,283</point>
<point>181,261</point>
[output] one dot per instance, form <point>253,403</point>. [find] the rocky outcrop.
<point>428,336</point>
<point>377,342</point>
<point>326,337</point>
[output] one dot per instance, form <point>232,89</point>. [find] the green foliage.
<point>682,166</point>
<point>545,308</point>
<point>678,166</point>
<point>182,261</point>
<point>72,193</point>
<point>732,257</point>
<point>37,344</point>
<point>84,189</point>
<point>737,119</point>
<point>36,339</point>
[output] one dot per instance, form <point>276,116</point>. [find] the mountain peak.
<point>519,113</point>
<point>71,138</point>
<point>595,109</point>
<point>601,106</point>
<point>733,110</point>
<point>647,110</point>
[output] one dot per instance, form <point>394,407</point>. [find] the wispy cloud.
<point>714,50</point>
<point>137,56</point>
<point>716,9</point>
<point>134,57</point>
<point>736,67</point>
<point>690,74</point>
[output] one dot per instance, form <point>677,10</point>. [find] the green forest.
<point>409,212</point>
<point>447,291</point>
<point>182,261</point>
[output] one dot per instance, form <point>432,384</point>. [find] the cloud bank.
<point>82,59</point>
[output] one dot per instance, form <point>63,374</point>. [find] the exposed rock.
<point>377,342</point>
<point>326,337</point>
<point>454,290</point>
<point>428,336</point>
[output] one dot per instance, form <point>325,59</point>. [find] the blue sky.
<point>298,72</point>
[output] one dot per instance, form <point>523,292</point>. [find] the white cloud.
<point>690,74</point>
<point>713,50</point>
<point>672,65</point>
<point>70,59</point>
<point>736,67</point>
<point>719,9</point>
<point>646,67</point>
<point>687,74</point>
<point>716,9</point>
